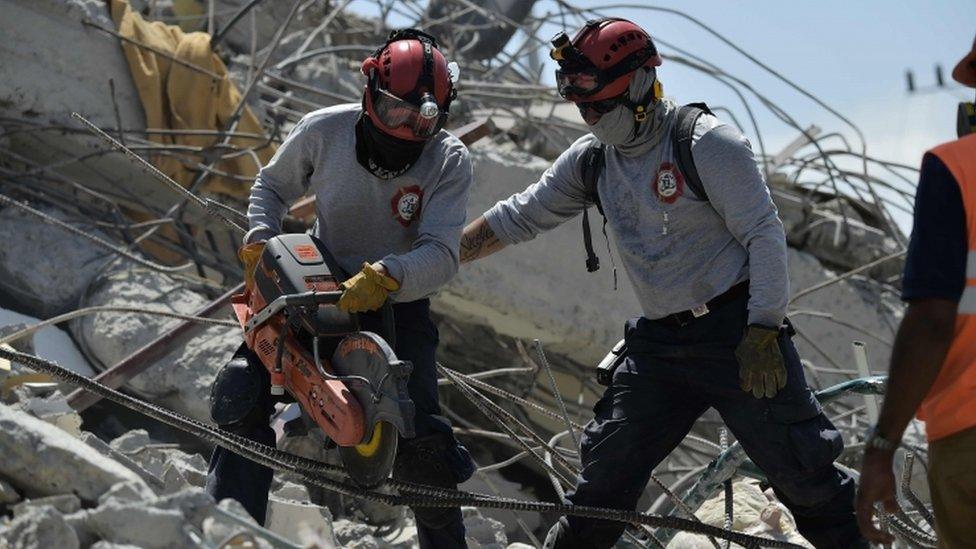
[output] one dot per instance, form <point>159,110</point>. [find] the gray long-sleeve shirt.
<point>679,251</point>
<point>411,223</point>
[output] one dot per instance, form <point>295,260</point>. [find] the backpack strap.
<point>592,161</point>
<point>682,135</point>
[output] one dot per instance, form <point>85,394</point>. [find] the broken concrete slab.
<point>220,528</point>
<point>29,278</point>
<point>181,379</point>
<point>103,448</point>
<point>126,492</point>
<point>131,441</point>
<point>290,518</point>
<point>39,527</point>
<point>157,523</point>
<point>54,409</point>
<point>64,504</point>
<point>41,459</point>
<point>139,525</point>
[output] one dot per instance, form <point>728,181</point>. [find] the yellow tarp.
<point>176,97</point>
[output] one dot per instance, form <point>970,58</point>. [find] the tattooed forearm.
<point>478,241</point>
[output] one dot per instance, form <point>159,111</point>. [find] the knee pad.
<point>423,460</point>
<point>239,392</point>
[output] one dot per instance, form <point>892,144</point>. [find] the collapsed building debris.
<point>286,59</point>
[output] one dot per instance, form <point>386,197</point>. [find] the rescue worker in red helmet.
<point>391,189</point>
<point>705,251</point>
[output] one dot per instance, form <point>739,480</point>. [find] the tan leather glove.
<point>366,291</point>
<point>762,370</point>
<point>250,255</point>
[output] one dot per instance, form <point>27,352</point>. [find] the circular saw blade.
<point>370,463</point>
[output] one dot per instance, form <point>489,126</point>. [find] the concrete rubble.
<point>80,494</point>
<point>180,379</point>
<point>107,478</point>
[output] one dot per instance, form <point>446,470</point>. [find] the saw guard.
<point>368,355</point>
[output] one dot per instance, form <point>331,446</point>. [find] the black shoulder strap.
<point>682,135</point>
<point>592,162</point>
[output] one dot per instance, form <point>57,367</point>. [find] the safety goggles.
<point>578,82</point>
<point>424,121</point>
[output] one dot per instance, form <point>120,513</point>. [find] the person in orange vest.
<point>933,363</point>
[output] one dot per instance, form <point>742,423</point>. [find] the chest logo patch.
<point>407,203</point>
<point>668,183</point>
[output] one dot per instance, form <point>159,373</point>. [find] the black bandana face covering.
<point>383,155</point>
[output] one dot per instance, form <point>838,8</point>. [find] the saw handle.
<point>303,299</point>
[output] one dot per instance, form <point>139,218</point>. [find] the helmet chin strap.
<point>644,105</point>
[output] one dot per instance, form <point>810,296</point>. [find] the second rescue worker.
<point>706,253</point>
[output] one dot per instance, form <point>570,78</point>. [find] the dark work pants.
<point>671,376</point>
<point>232,476</point>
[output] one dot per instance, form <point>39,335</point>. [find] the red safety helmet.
<point>410,86</point>
<point>598,63</point>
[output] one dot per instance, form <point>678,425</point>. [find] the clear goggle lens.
<point>577,83</point>
<point>424,121</point>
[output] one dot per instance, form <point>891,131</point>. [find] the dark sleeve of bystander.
<point>936,263</point>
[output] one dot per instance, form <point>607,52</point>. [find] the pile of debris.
<point>66,488</point>
<point>136,275</point>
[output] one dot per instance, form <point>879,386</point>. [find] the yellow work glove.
<point>762,370</point>
<point>366,291</point>
<point>250,255</point>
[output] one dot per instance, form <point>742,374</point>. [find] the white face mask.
<point>616,127</point>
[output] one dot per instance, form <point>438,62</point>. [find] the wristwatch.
<point>877,441</point>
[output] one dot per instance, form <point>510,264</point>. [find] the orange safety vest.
<point>950,406</point>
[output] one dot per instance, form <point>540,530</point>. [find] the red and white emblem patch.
<point>668,183</point>
<point>407,203</point>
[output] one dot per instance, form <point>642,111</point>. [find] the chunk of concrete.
<point>135,439</point>
<point>41,459</point>
<point>181,379</point>
<point>126,492</point>
<point>158,523</point>
<point>44,270</point>
<point>220,528</point>
<point>292,492</point>
<point>39,527</point>
<point>486,532</point>
<point>289,518</point>
<point>54,409</point>
<point>64,504</point>
<point>103,448</point>
<point>139,525</point>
